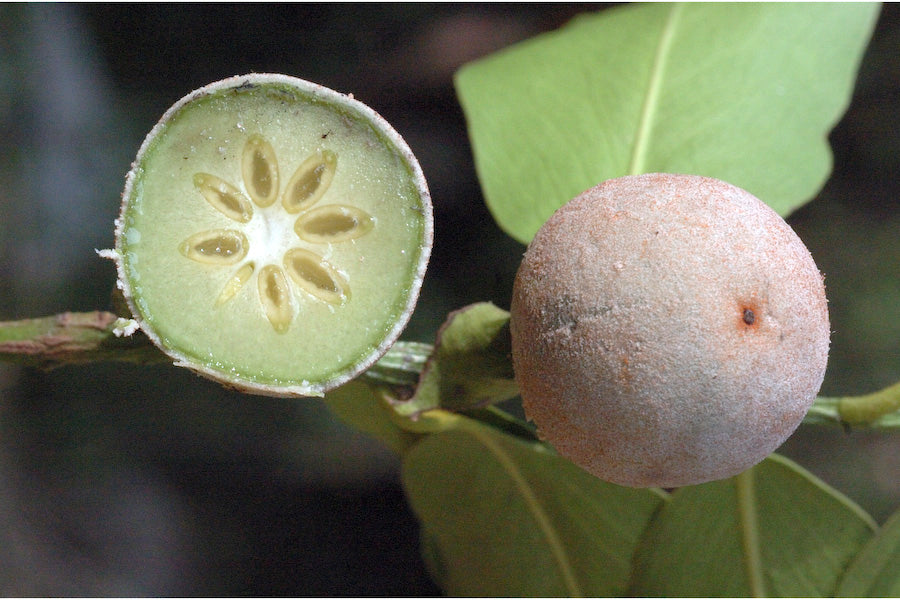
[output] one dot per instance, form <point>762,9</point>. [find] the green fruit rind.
<point>337,198</point>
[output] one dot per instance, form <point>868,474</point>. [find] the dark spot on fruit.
<point>749,317</point>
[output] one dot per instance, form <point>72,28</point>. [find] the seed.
<point>276,297</point>
<point>235,284</point>
<point>224,197</point>
<point>310,182</point>
<point>333,223</point>
<point>313,273</point>
<point>260,171</point>
<point>216,247</point>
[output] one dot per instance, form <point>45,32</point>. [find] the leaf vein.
<point>544,523</point>
<point>638,161</point>
<point>748,522</point>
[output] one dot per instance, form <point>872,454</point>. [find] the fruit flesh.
<point>667,330</point>
<point>218,165</point>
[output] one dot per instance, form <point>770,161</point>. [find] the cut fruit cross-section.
<point>273,235</point>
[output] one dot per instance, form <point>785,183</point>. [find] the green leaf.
<point>363,406</point>
<point>746,93</point>
<point>776,530</point>
<point>874,573</point>
<point>470,366</point>
<point>504,517</point>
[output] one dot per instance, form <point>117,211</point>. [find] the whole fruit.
<point>667,330</point>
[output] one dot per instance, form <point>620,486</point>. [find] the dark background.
<point>122,480</point>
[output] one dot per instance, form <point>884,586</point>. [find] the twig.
<point>73,338</point>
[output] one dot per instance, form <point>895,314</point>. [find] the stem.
<point>503,421</point>
<point>878,410</point>
<point>72,338</point>
<point>401,365</point>
<point>858,410</point>
<point>749,526</point>
<point>77,338</point>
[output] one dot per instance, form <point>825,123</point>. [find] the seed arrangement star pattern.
<point>254,244</point>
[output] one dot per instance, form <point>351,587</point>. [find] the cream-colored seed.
<point>224,197</point>
<point>333,223</point>
<point>275,296</point>
<point>667,330</point>
<point>309,182</point>
<point>259,167</point>
<point>316,276</point>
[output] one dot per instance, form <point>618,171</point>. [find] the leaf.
<point>503,517</point>
<point>746,93</point>
<point>781,532</point>
<point>360,405</point>
<point>874,573</point>
<point>470,366</point>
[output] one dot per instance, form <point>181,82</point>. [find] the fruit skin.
<point>667,330</point>
<point>352,109</point>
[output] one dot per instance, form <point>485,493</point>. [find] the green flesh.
<point>182,298</point>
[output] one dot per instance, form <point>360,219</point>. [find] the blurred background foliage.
<point>124,480</point>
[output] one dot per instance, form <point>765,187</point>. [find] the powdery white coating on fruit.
<point>357,110</point>
<point>667,330</point>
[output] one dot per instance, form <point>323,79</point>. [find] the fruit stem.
<point>84,337</point>
<point>73,338</point>
<point>401,365</point>
<point>878,410</point>
<point>861,410</point>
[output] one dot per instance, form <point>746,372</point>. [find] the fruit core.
<point>258,238</point>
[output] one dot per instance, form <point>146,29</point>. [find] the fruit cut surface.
<point>273,235</point>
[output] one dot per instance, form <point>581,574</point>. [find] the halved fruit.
<point>273,235</point>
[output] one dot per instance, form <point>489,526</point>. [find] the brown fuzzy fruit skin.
<point>667,330</point>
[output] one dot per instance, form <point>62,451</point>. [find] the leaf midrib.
<point>557,549</point>
<point>637,163</point>
<point>748,523</point>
